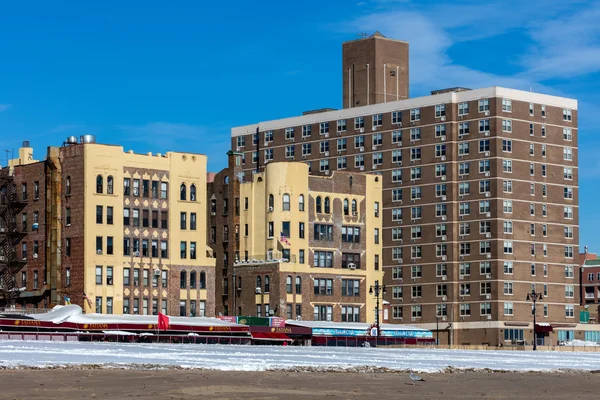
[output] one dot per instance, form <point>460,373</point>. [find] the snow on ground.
<point>259,358</point>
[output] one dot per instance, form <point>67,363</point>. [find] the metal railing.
<point>276,257</point>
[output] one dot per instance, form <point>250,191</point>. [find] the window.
<point>507,145</point>
<point>98,275</point>
<point>415,114</point>
<point>568,193</point>
<point>377,120</point>
<point>507,105</point>
<point>350,234</point>
<point>323,232</point>
<point>323,259</point>
<point>568,251</point>
<point>323,313</point>
<point>484,145</point>
<point>268,136</point>
<point>99,185</point>
<point>68,186</point>
<point>350,261</point>
<point>109,245</point>
<point>463,108</point>
<point>484,105</point>
<point>508,310</point>
<point>193,250</point>
<point>506,125</point>
<point>350,287</point>
<point>298,284</point>
<point>306,130</point>
<point>568,154</point>
<point>507,166</point>
<point>286,202</point>
<point>323,128</point>
<point>416,311</point>
<point>569,271</point>
<point>183,250</point>
<point>289,133</point>
<point>569,311</point>
<point>484,125</point>
<point>323,165</point>
<point>508,247</point>
<point>163,190</point>
<point>567,114</point>
<point>182,220</point>
<point>327,205</point>
<point>136,187</point>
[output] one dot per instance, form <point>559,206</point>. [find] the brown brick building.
<point>480,201</point>
<point>295,245</point>
<point>374,70</point>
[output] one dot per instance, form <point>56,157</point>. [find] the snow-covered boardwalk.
<point>260,358</point>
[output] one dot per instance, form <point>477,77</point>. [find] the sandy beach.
<point>66,384</point>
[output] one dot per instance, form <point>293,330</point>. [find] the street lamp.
<point>377,289</point>
<point>534,297</point>
<point>437,328</point>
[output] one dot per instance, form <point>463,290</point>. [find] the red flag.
<point>163,321</point>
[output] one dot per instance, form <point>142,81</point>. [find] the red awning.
<point>543,328</point>
<point>281,337</point>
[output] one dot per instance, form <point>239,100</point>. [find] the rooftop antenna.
<point>363,35</point>
<point>7,152</point>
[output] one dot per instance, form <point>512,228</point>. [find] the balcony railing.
<point>273,258</point>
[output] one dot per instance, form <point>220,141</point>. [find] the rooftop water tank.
<point>87,139</point>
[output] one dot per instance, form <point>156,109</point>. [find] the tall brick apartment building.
<point>480,202</point>
<point>125,229</point>
<point>293,245</point>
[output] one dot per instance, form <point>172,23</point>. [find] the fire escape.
<point>10,237</point>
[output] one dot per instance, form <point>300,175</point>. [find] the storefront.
<point>288,335</point>
<point>347,334</point>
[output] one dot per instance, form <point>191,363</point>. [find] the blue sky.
<point>158,76</point>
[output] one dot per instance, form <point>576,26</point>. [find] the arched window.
<point>182,192</point>
<point>301,202</point>
<point>346,207</point>
<point>193,192</point>
<point>267,284</point>
<point>354,210</point>
<point>99,184</point>
<point>288,284</point>
<point>193,280</point>
<point>271,201</point>
<point>226,180</point>
<point>318,203</point>
<point>298,285</point>
<point>286,202</point>
<point>202,280</point>
<point>109,184</point>
<point>258,282</point>
<point>183,280</point>
<point>327,205</point>
<point>68,186</point>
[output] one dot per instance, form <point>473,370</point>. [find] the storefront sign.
<point>407,334</point>
<point>277,322</point>
<point>338,332</point>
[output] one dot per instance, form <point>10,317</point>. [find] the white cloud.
<point>563,43</point>
<point>566,46</point>
<point>4,107</point>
